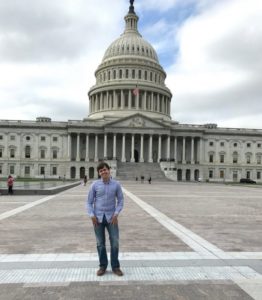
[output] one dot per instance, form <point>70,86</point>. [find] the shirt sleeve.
<point>90,201</point>
<point>120,199</point>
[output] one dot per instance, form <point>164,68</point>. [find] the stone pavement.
<point>177,241</point>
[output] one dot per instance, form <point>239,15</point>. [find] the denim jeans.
<point>101,243</point>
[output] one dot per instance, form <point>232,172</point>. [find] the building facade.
<point>129,122</point>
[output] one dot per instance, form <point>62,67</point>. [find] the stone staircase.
<point>131,171</point>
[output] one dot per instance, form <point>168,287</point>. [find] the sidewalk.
<point>177,241</point>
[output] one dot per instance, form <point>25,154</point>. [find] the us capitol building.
<point>129,126</point>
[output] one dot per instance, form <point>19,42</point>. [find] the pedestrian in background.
<point>10,184</point>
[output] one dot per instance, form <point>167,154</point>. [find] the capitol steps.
<point>131,171</point>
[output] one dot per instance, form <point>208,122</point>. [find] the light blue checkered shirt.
<point>105,198</point>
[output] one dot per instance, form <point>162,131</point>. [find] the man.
<point>104,203</point>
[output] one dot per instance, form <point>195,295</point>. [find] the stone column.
<point>114,147</point>
<point>152,101</point>
<point>192,150</point>
<point>78,147</point>
<point>105,146</point>
<point>159,147</point>
<point>168,148</point>
<point>123,148</point>
<point>96,102</point>
<point>201,150</point>
<point>133,148</point>
<point>114,100</point>
<point>101,101</point>
<point>175,149</point>
<point>107,100</point>
<point>122,100</point>
<point>69,145</point>
<point>141,159</point>
<point>158,103</point>
<point>129,99</point>
<point>96,148</point>
<point>87,147</point>
<point>145,95</point>
<point>150,159</point>
<point>184,151</point>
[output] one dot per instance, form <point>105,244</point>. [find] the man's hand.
<point>94,221</point>
<point>114,220</point>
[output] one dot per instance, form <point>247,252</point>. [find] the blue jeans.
<point>101,243</point>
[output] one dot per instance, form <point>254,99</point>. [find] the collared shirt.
<point>105,198</point>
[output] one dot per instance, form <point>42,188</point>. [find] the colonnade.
<point>126,99</point>
<point>133,147</point>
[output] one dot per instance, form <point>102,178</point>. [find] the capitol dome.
<point>130,78</point>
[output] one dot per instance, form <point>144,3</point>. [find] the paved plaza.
<point>177,241</point>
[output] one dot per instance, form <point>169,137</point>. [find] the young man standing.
<point>104,203</point>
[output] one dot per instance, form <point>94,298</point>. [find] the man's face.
<point>104,173</point>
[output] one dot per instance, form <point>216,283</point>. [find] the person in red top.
<point>10,183</point>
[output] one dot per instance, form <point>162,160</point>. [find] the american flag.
<point>136,91</point>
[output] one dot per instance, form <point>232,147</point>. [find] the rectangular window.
<point>234,160</point>
<point>1,152</point>
<point>211,158</point>
<point>258,175</point>
<point>54,171</point>
<point>259,145</point>
<point>12,170</point>
<point>42,138</point>
<point>1,137</point>
<point>248,159</point>
<point>55,138</point>
<point>42,153</point>
<point>211,143</point>
<point>248,145</point>
<point>12,153</point>
<point>27,152</point>
<point>210,173</point>
<point>221,174</point>
<point>235,175</point>
<point>1,170</point>
<point>222,144</point>
<point>12,137</point>
<point>42,170</point>
<point>222,158</point>
<point>54,153</point>
<point>248,175</point>
<point>27,170</point>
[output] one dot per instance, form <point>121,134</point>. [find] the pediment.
<point>137,121</point>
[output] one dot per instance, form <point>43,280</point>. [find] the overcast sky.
<point>210,49</point>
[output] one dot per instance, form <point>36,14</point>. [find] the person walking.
<point>10,184</point>
<point>85,180</point>
<point>104,203</point>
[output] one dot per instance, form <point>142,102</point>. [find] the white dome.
<point>130,44</point>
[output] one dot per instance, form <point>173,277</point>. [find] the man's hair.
<point>102,165</point>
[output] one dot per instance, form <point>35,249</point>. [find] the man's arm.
<point>90,204</point>
<point>120,199</point>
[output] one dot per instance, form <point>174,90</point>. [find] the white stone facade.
<point>128,126</point>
